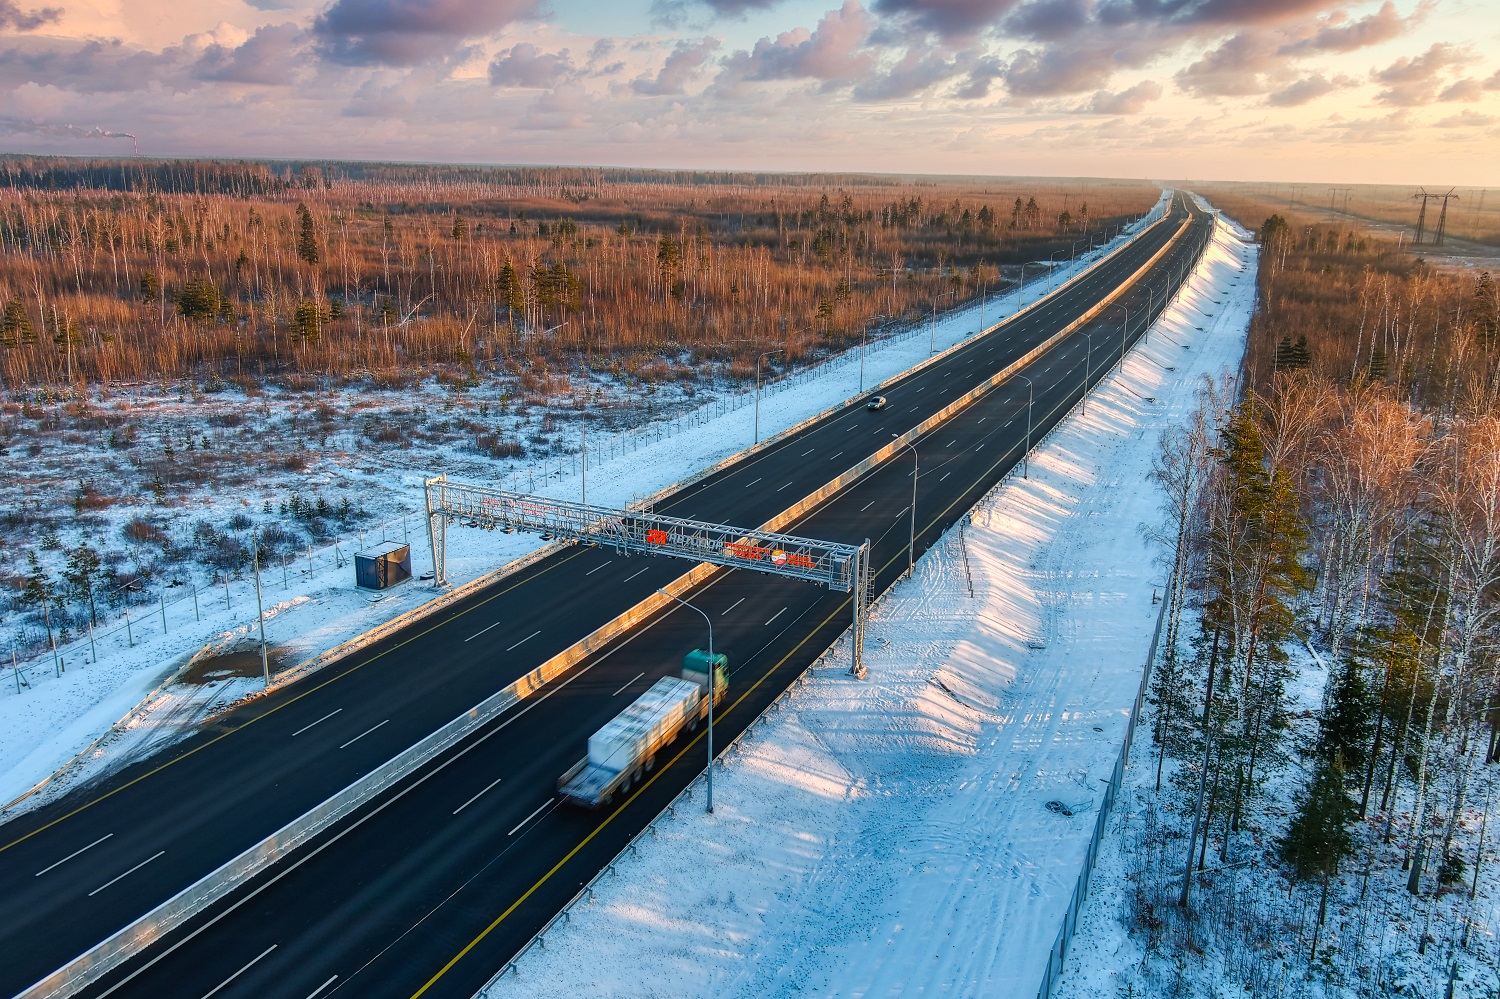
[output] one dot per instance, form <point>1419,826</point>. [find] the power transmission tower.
<point>1421,215</point>
<point>1442,226</point>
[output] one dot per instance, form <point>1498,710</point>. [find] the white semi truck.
<point>626,747</point>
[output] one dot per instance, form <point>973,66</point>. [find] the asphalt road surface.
<point>436,884</point>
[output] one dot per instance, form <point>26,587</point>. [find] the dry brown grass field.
<point>124,271</point>
<point>1365,306</point>
<point>1473,215</point>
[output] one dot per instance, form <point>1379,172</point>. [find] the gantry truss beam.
<point>836,566</point>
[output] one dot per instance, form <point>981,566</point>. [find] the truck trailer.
<point>625,749</point>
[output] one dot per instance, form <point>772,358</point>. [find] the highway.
<point>382,904</point>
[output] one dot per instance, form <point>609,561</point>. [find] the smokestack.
<point>33,127</point>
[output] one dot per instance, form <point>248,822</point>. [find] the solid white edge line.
<point>350,827</point>
<point>319,849</point>
<point>481,631</point>
<point>237,974</point>
<point>126,874</point>
<point>528,638</point>
<point>628,683</point>
<point>362,735</point>
<point>470,802</point>
<point>533,815</point>
<point>320,721</point>
<point>320,988</point>
<point>70,856</point>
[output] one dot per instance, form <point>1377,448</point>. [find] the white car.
<point>875,402</point>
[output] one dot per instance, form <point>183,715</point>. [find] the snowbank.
<point>312,606</point>
<point>893,836</point>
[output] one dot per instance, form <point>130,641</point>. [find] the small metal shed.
<point>382,567</point>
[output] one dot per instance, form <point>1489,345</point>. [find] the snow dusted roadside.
<point>314,607</point>
<point>1250,930</point>
<point>892,836</point>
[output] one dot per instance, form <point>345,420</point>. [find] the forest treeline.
<point>1343,494</point>
<point>186,269</point>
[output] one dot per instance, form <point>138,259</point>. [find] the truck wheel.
<point>650,762</point>
<point>693,723</point>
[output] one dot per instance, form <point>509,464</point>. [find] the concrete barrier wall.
<point>169,915</point>
<point>132,939</point>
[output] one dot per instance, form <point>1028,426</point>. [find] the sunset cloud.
<point>13,18</point>
<point>410,32</point>
<point>1157,86</point>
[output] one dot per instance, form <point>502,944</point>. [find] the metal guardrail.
<point>538,939</point>
<point>173,913</point>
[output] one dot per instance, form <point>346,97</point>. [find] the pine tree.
<point>15,325</point>
<point>307,236</point>
<point>81,572</point>
<point>1318,837</point>
<point>307,321</point>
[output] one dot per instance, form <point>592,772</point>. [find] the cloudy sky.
<point>1402,91</point>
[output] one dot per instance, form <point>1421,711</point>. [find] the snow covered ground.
<point>892,837</point>
<point>112,698</point>
<point>1249,931</point>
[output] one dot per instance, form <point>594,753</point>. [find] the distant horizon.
<point>1270,91</point>
<point>481,165</point>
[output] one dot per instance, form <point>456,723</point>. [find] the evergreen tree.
<point>1318,837</point>
<point>307,321</point>
<point>199,300</point>
<point>81,573</point>
<point>15,325</point>
<point>307,235</point>
<point>668,257</point>
<point>38,588</point>
<point>508,286</point>
<point>1256,544</point>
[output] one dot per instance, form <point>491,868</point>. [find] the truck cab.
<point>695,667</point>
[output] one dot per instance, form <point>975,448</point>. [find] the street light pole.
<point>1123,328</point>
<point>1050,261</point>
<point>1087,365</point>
<point>583,433</point>
<point>1026,455</point>
<point>712,677</point>
<point>762,357</point>
<point>864,334</point>
<point>911,549</point>
<point>260,611</point>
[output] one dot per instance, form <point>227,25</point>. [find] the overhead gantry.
<point>641,532</point>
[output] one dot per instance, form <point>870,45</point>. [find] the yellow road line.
<point>626,804</point>
<point>623,805</point>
